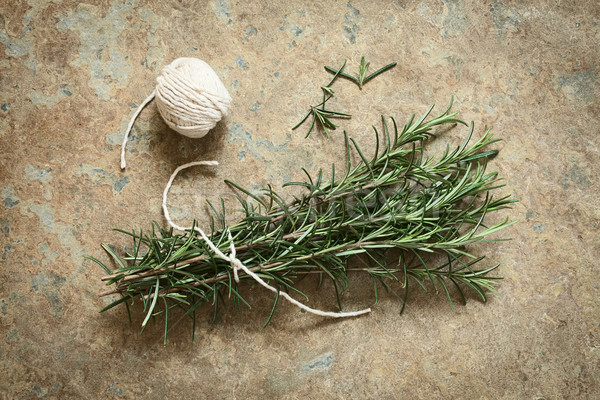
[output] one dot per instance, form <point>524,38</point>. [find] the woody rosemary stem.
<point>223,276</point>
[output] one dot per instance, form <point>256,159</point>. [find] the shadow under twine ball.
<point>190,98</point>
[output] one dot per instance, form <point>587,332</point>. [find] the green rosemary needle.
<point>398,210</point>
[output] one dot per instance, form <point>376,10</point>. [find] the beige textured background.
<point>70,75</point>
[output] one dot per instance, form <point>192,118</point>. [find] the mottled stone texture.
<point>71,74</point>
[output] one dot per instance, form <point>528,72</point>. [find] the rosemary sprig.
<point>321,114</point>
<point>362,77</point>
<point>399,210</point>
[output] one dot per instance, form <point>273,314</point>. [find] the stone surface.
<point>71,74</point>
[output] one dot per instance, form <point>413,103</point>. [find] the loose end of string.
<point>236,263</point>
<point>133,118</point>
<point>168,186</point>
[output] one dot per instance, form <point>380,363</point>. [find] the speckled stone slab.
<point>71,75</point>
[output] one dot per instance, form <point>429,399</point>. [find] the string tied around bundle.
<point>235,263</point>
<point>190,98</point>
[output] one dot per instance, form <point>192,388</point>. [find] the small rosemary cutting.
<point>362,77</point>
<point>323,115</point>
<point>398,210</point>
<point>319,112</point>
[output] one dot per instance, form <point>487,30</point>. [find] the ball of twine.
<point>190,98</point>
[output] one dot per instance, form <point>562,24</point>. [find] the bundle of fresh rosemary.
<point>395,210</point>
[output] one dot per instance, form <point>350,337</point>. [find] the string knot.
<point>233,261</point>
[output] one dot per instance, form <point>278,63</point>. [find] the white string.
<point>135,115</point>
<point>234,262</point>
